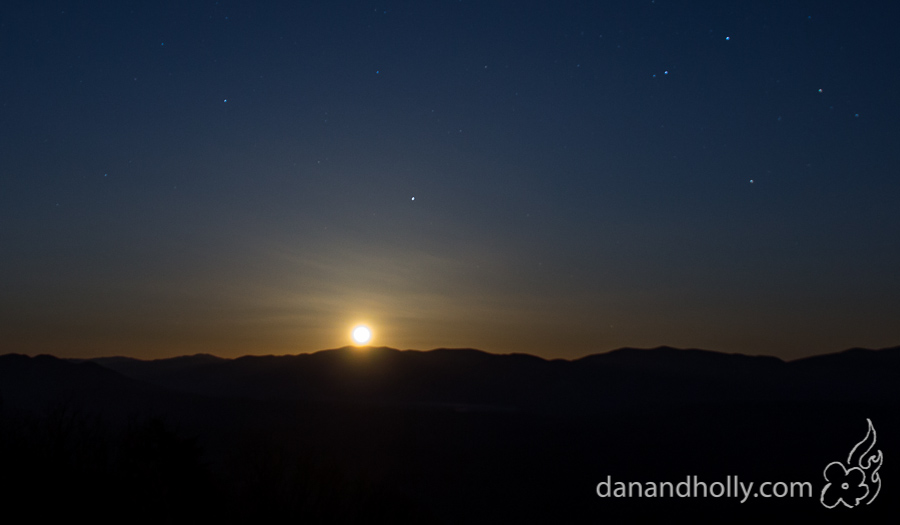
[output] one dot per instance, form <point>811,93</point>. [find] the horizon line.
<point>366,348</point>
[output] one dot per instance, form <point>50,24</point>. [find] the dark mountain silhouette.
<point>442,436</point>
<point>35,382</point>
<point>473,380</point>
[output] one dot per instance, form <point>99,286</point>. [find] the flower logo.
<point>847,486</point>
<point>859,480</point>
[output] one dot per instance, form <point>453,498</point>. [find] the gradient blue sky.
<point>557,178</point>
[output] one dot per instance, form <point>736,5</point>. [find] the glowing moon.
<point>362,335</point>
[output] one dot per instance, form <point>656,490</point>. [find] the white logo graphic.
<point>858,481</point>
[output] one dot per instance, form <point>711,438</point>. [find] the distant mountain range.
<point>470,380</point>
<point>440,436</point>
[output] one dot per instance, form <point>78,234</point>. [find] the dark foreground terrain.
<point>447,436</point>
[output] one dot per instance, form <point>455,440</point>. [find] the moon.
<point>362,335</point>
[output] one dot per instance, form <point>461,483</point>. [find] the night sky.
<point>556,178</point>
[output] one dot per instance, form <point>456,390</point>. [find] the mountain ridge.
<point>449,426</point>
<point>627,350</point>
<point>622,378</point>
